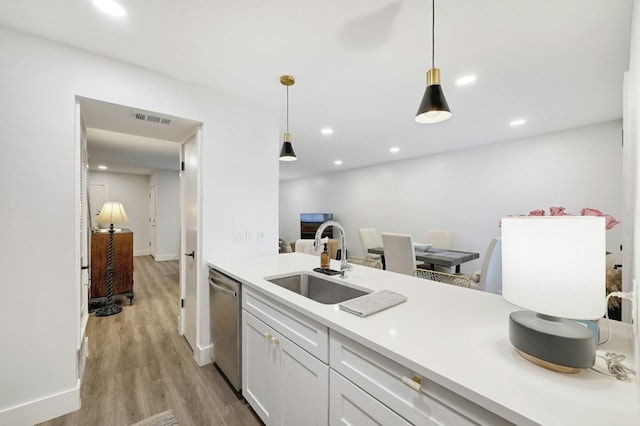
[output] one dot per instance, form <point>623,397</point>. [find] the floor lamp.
<point>112,212</point>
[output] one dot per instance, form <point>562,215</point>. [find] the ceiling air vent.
<point>149,118</point>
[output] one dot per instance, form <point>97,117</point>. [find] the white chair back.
<point>306,246</point>
<point>491,272</point>
<point>369,238</point>
<point>399,253</point>
<point>440,239</point>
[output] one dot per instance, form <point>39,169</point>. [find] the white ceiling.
<point>132,140</point>
<point>360,64</point>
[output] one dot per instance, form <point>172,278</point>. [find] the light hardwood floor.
<point>138,365</point>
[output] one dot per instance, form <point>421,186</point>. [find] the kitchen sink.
<point>317,288</point>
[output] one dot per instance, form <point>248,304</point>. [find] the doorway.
<point>134,142</point>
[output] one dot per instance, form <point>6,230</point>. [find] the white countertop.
<point>458,338</point>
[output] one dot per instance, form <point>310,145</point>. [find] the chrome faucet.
<point>344,266</point>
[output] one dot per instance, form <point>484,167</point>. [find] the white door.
<point>190,258</point>
<point>152,220</point>
<point>83,293</point>
<point>260,368</point>
<point>304,387</point>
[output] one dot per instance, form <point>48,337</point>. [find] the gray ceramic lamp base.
<point>554,343</point>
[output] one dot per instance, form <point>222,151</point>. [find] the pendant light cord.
<point>433,33</point>
<point>287,109</point>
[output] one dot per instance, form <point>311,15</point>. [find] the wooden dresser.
<point>122,262</point>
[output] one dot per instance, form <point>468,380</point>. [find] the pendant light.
<point>434,107</point>
<point>287,153</point>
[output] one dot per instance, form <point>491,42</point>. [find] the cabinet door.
<point>350,405</point>
<point>304,385</point>
<point>260,360</point>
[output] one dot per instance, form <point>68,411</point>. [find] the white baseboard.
<point>82,354</point>
<point>141,252</point>
<point>165,257</point>
<point>43,409</point>
<point>203,355</point>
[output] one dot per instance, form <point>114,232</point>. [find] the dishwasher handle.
<point>222,290</point>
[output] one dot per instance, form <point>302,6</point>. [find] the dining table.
<point>434,256</point>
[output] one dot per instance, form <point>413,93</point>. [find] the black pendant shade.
<point>287,153</point>
<point>434,106</point>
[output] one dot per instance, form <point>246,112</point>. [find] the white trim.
<point>141,252</point>
<point>165,257</point>
<point>83,354</point>
<point>203,355</point>
<point>40,410</point>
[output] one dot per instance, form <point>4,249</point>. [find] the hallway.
<point>139,366</point>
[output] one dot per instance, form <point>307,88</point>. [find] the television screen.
<point>310,222</point>
<point>315,217</point>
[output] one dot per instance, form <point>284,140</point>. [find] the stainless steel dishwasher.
<point>226,331</point>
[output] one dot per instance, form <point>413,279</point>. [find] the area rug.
<point>166,418</point>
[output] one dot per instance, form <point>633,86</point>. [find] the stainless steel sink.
<point>317,288</point>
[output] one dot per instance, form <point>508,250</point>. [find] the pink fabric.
<point>610,221</point>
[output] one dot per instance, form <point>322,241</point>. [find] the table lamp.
<point>554,267</point>
<point>112,212</point>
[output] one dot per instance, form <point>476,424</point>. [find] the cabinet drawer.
<point>350,405</point>
<point>310,335</point>
<point>430,404</point>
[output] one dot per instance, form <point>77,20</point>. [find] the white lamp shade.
<point>555,265</point>
<point>112,212</point>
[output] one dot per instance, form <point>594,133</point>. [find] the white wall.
<point>468,191</point>
<point>167,214</point>
<point>631,261</point>
<point>132,191</point>
<point>39,165</point>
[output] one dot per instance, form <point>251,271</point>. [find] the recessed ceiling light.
<point>467,79</point>
<point>338,162</point>
<point>101,167</point>
<point>394,149</point>
<point>517,122</point>
<point>110,7</point>
<point>327,131</point>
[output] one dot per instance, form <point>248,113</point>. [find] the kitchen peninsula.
<point>452,342</point>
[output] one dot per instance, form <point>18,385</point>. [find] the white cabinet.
<point>283,383</point>
<point>350,405</point>
<point>414,398</point>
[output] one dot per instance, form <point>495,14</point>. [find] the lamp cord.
<point>287,109</point>
<point>613,360</point>
<point>615,367</point>
<point>620,294</point>
<point>433,33</point>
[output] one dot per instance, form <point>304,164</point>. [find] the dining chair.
<point>399,253</point>
<point>443,277</point>
<point>306,246</point>
<point>369,238</point>
<point>440,239</point>
<point>365,261</point>
<point>491,271</point>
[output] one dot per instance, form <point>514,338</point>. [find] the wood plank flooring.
<point>139,366</point>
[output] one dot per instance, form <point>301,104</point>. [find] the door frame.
<point>201,355</point>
